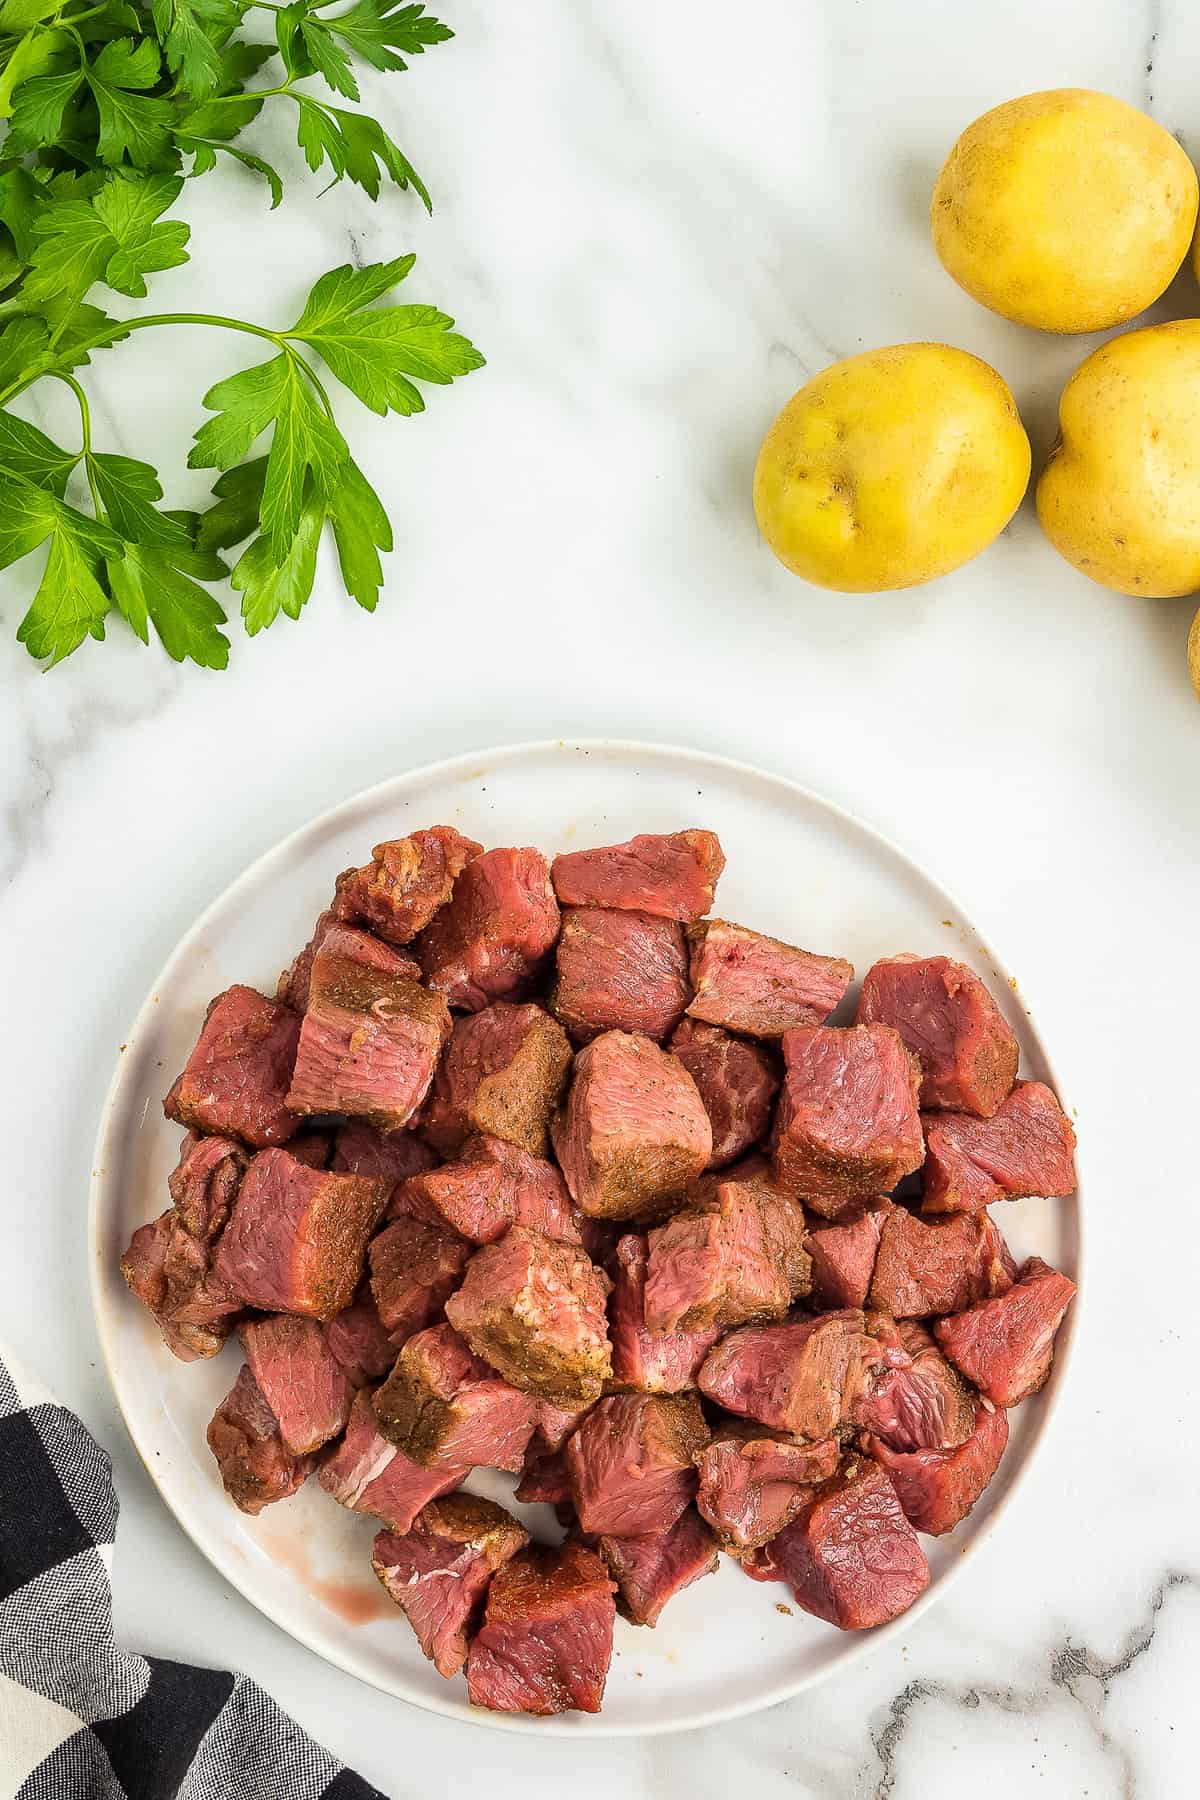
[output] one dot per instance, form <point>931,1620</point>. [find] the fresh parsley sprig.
<point>111,108</point>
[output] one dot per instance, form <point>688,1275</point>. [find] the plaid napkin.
<point>80,1719</point>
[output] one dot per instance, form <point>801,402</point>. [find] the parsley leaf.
<point>378,30</point>
<point>380,355</point>
<point>132,124</point>
<point>269,587</point>
<point>235,515</point>
<point>354,145</point>
<point>70,604</point>
<point>29,453</point>
<point>151,585</point>
<point>192,54</point>
<point>128,490</point>
<point>130,209</point>
<point>327,57</point>
<point>361,529</point>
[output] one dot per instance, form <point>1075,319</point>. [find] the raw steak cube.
<point>503,1074</point>
<point>358,1149</point>
<point>439,1572</point>
<point>236,1080</point>
<point>534,1309</point>
<point>847,1127</point>
<point>654,1362</point>
<point>312,1148</point>
<point>300,1379</point>
<point>754,1481</point>
<point>168,1270</point>
<point>406,882</point>
<point>447,1409</point>
<point>359,1340</point>
<point>737,1082</point>
<point>938,1488</point>
<point>414,1270</point>
<point>803,1378</point>
<point>849,1556</point>
<point>619,971</point>
<point>556,1423</point>
<point>917,1401</point>
<point>1006,1345</point>
<point>1028,1147</point>
<point>546,1639</point>
<point>256,1466</point>
<point>493,939</point>
<point>633,1132</point>
<point>544,1479</point>
<point>843,1253</point>
<point>369,1044</point>
<point>297,1238</point>
<point>204,1183</point>
<point>632,1463</point>
<point>947,1018</point>
<point>938,1265</point>
<point>370,1475</point>
<point>748,982</point>
<point>738,1259</point>
<point>491,1186</point>
<point>329,933</point>
<point>649,1571</point>
<point>673,876</point>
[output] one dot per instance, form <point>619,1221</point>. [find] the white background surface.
<point>656,222</point>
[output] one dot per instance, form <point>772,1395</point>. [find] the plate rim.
<point>591,1726</point>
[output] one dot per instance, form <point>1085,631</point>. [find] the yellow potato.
<point>891,468</point>
<point>1120,495</point>
<point>1067,210</point>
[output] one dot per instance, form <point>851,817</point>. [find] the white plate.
<point>798,868</point>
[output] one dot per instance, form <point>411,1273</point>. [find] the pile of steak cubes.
<point>537,1167</point>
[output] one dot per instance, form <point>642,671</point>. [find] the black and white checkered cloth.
<point>80,1719</point>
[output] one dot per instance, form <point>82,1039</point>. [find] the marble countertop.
<point>658,221</point>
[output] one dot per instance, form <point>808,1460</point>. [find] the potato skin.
<point>1120,495</point>
<point>1066,210</point>
<point>891,468</point>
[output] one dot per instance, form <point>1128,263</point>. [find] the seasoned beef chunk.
<point>847,1126</point>
<point>330,934</point>
<point>415,1268</point>
<point>631,1463</point>
<point>947,1018</point>
<point>236,1080</point>
<point>655,1362</point>
<point>490,1186</point>
<point>803,1378</point>
<point>204,1183</point>
<point>169,1271</point>
<point>556,1423</point>
<point>544,1477</point>
<point>753,1481</point>
<point>312,1148</point>
<point>358,1149</point>
<point>447,1409</point>
<point>439,1572</point>
<point>938,1265</point>
<point>370,1475</point>
<point>673,876</point>
<point>633,1132</point>
<point>843,1253</point>
<point>503,1074</point>
<point>917,1401</point>
<point>938,1488</point>
<point>1028,1147</point>
<point>849,1556</point>
<point>406,882</point>
<point>619,971</point>
<point>359,1340</point>
<point>737,1082</point>
<point>300,1379</point>
<point>494,937</point>
<point>297,1237</point>
<point>649,1571</point>
<point>256,1466</point>
<point>1006,1345</point>
<point>546,1639</point>
<point>369,1043</point>
<point>738,1258</point>
<point>758,985</point>
<point>534,1309</point>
